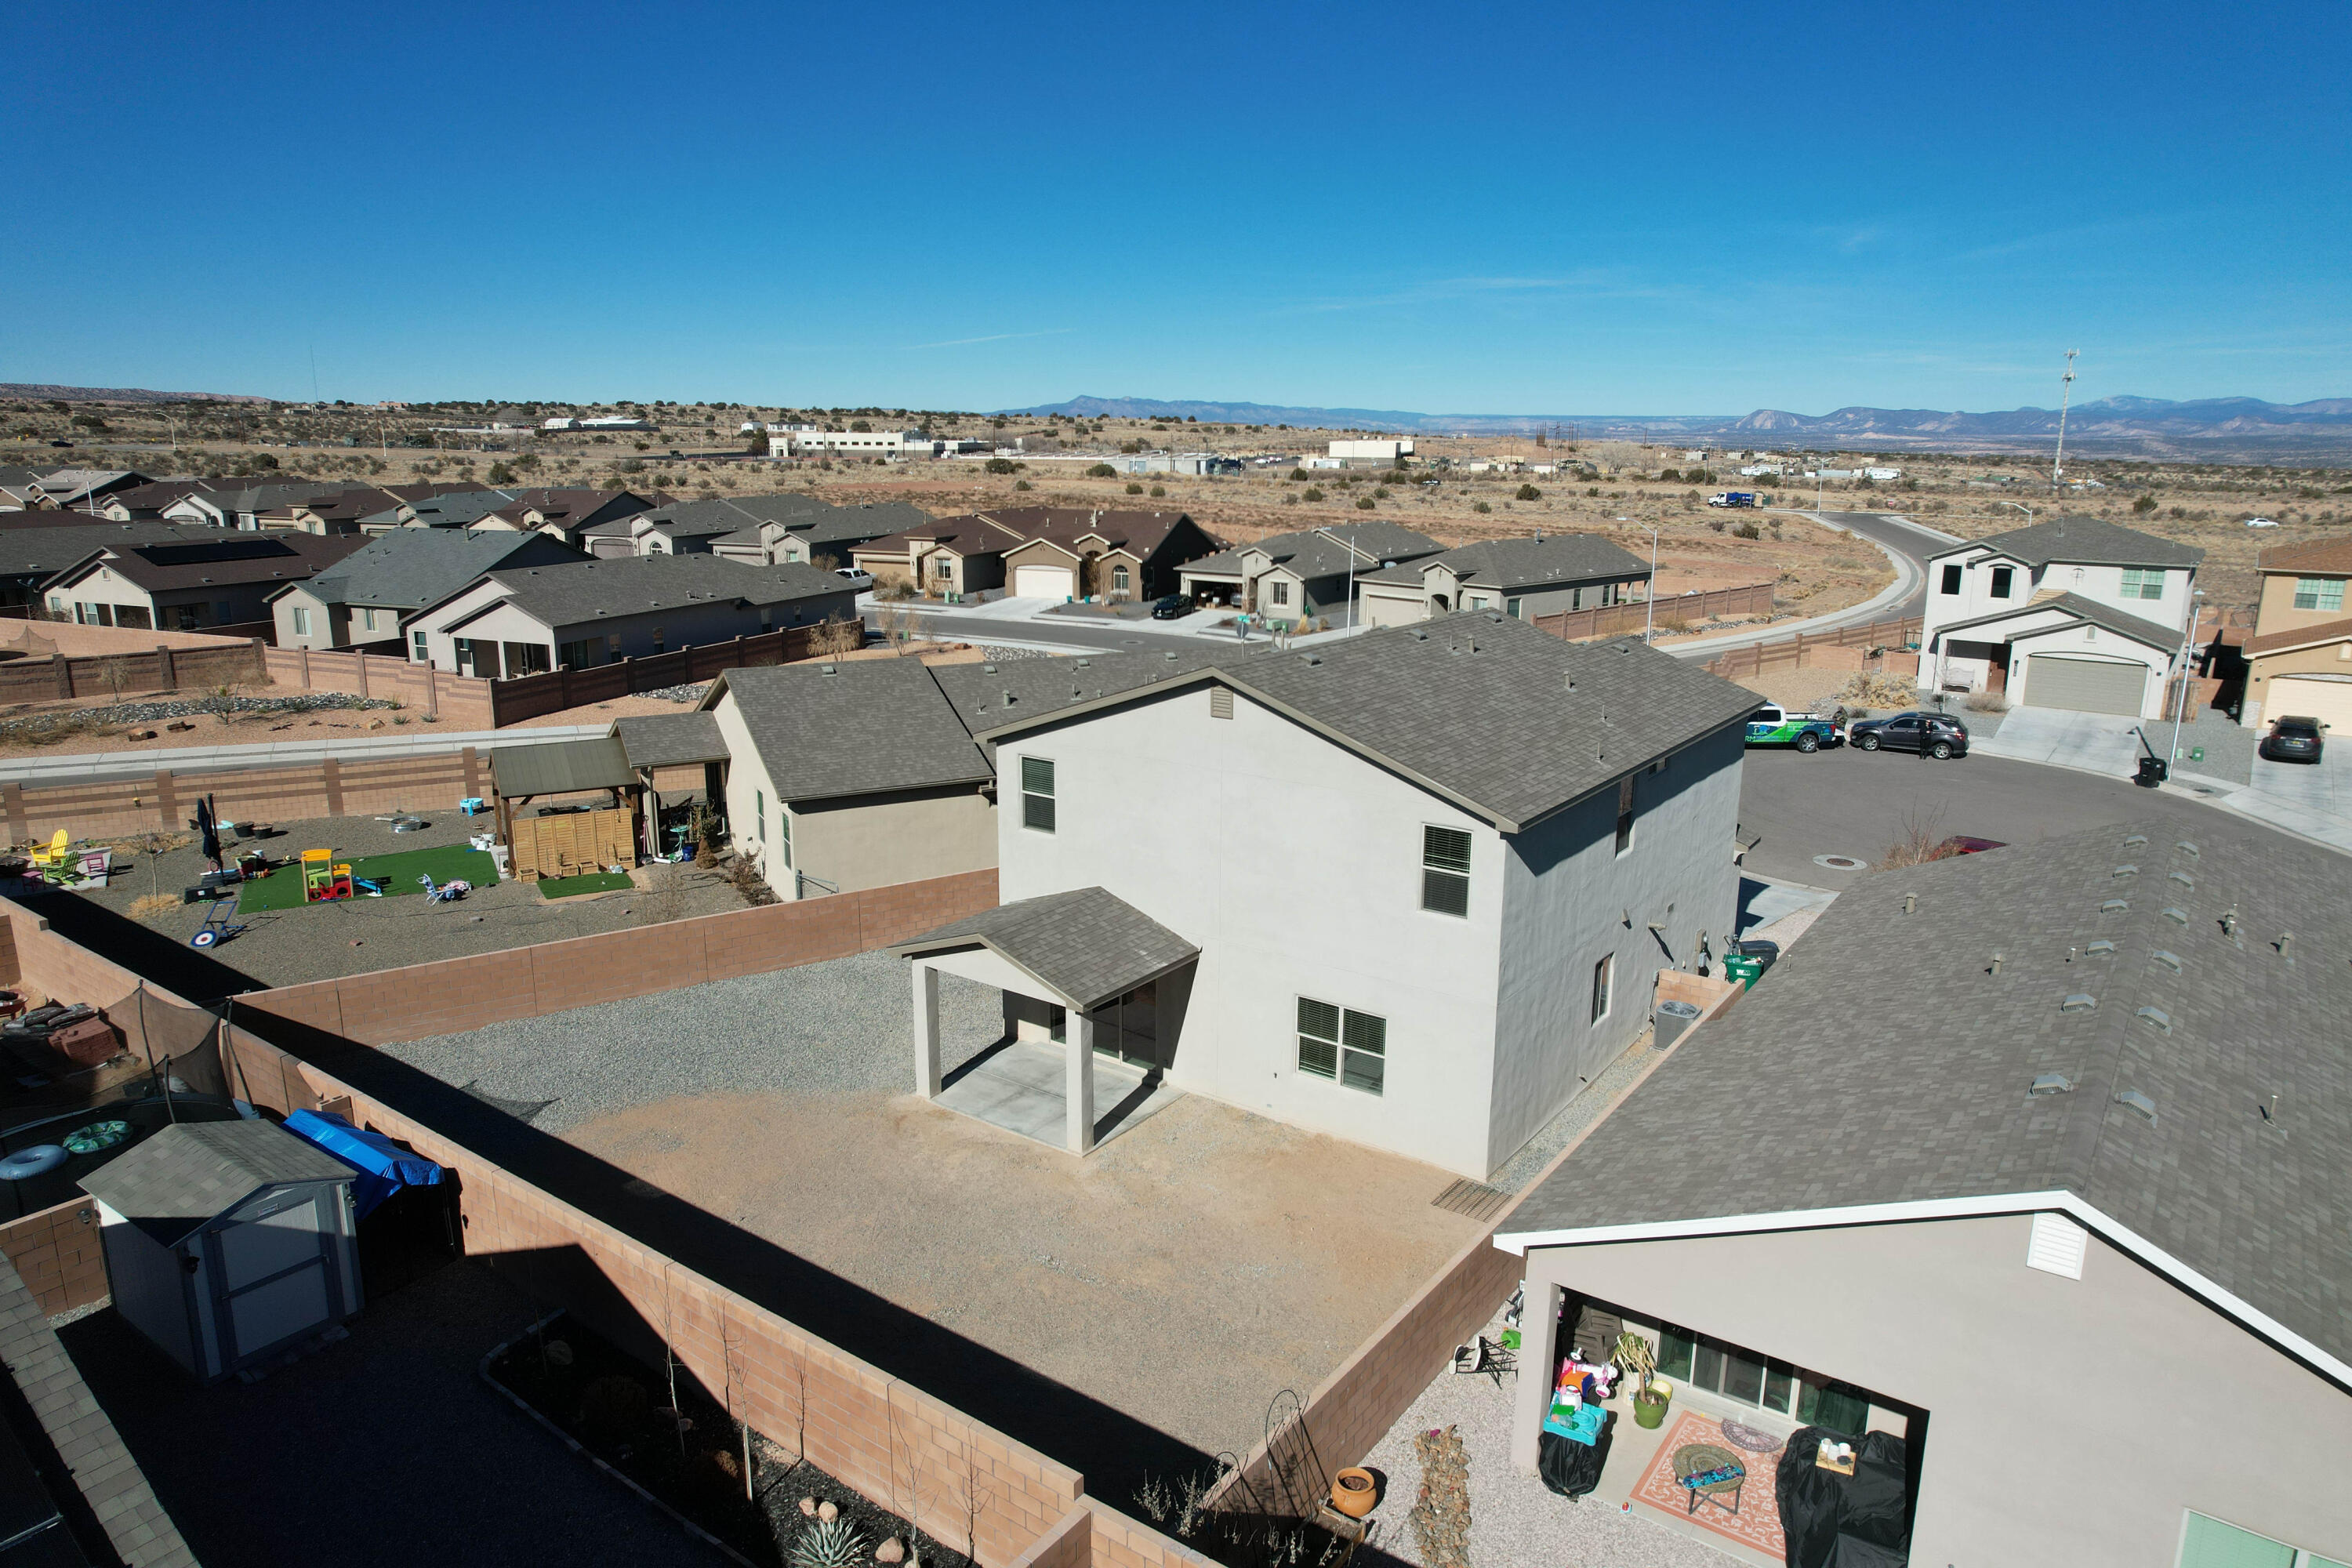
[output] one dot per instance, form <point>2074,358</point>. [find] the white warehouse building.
<point>1385,450</point>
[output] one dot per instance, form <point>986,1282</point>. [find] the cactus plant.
<point>829,1543</point>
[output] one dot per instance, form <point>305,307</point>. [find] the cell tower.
<point>2066,395</point>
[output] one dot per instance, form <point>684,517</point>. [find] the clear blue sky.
<point>1539,209</point>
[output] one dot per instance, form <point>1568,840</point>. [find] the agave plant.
<point>829,1543</point>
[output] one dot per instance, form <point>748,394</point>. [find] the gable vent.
<point>1221,702</point>
<point>2057,1246</point>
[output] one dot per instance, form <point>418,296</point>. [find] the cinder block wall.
<point>297,792</point>
<point>460,994</point>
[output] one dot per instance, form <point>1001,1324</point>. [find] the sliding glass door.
<point>1694,1360</point>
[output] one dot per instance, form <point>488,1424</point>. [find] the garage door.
<point>2084,685</point>
<point>2329,701</point>
<point>1044,582</point>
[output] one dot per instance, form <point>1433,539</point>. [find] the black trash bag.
<point>1844,1522</point>
<point>1570,1469</point>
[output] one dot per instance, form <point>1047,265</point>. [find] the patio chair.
<point>1486,1358</point>
<point>50,858</point>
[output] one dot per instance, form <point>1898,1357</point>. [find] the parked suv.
<point>2293,739</point>
<point>1938,734</point>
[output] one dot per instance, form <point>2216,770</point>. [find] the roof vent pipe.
<point>2286,940</point>
<point>1996,965</point>
<point>1910,902</point>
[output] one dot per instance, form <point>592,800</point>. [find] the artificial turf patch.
<point>589,882</point>
<point>282,889</point>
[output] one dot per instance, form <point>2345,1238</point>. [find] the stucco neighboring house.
<point>567,514</point>
<point>1296,576</point>
<point>84,489</point>
<point>1072,552</point>
<point>2101,1131</point>
<point>241,503</point>
<point>846,777</point>
<point>142,503</point>
<point>2075,613</point>
<point>360,601</point>
<point>947,555</point>
<point>18,487</point>
<point>1427,876</point>
<point>800,528</point>
<point>434,506</point>
<point>1521,577</point>
<point>576,615</point>
<point>31,552</point>
<point>338,512</point>
<point>2299,660</point>
<point>188,585</point>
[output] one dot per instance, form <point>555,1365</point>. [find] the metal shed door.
<point>2084,685</point>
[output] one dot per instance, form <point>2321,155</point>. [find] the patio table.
<point>1693,1461</point>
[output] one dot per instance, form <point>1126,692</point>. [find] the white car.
<point>2260,523</point>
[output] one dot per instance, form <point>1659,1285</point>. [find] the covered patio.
<point>1094,993</point>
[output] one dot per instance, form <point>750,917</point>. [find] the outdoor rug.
<point>593,882</point>
<point>282,889</point>
<point>1757,1525</point>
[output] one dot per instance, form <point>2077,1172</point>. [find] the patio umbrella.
<point>210,830</point>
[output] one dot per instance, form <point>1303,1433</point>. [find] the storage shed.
<point>226,1241</point>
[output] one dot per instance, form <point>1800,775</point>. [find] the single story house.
<point>2075,613</point>
<point>188,585</point>
<point>240,503</point>
<point>947,555</point>
<point>1521,577</point>
<point>852,776</point>
<point>142,503</point>
<point>1428,875</point>
<point>19,486</point>
<point>812,532</point>
<point>577,615</point>
<point>332,511</point>
<point>2095,1150</point>
<point>1072,552</point>
<point>568,514</point>
<point>1296,576</point>
<point>360,601</point>
<point>33,552</point>
<point>85,490</point>
<point>2299,660</point>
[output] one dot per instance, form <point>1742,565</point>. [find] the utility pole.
<point>2066,396</point>
<point>1650,590</point>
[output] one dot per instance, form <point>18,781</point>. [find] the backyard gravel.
<point>837,1027</point>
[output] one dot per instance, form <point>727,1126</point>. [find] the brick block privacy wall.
<point>1120,1542</point>
<point>157,667</point>
<point>460,994</point>
<point>58,1253</point>
<point>876,1433</point>
<point>531,696</point>
<point>461,700</point>
<point>294,792</point>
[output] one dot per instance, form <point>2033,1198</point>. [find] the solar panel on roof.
<point>209,551</point>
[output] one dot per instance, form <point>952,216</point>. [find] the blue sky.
<point>1531,209</point>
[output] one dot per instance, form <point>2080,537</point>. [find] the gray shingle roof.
<point>39,552</point>
<point>988,697</point>
<point>459,509</point>
<point>1476,707</point>
<point>561,767</point>
<point>177,1181</point>
<point>1090,945</point>
<point>1313,552</point>
<point>670,740</point>
<point>871,726</point>
<point>1516,566</point>
<point>1922,1098</point>
<point>411,567</point>
<point>2086,541</point>
<point>819,523</point>
<point>2106,616</point>
<point>577,592</point>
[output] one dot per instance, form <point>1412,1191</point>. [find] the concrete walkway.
<point>427,741</point>
<point>2104,743</point>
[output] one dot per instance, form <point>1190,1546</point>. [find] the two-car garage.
<point>2087,684</point>
<point>1045,581</point>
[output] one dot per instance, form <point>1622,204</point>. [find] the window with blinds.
<point>1037,793</point>
<point>1445,870</point>
<point>1343,1045</point>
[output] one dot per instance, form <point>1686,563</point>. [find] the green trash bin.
<point>1741,967</point>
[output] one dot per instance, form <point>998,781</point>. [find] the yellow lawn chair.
<point>50,860</point>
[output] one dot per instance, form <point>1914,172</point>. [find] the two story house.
<point>1521,577</point>
<point>1413,890</point>
<point>2076,614</point>
<point>358,601</point>
<point>2299,660</point>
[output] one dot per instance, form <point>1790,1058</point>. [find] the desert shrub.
<point>1297,475</point>
<point>1102,471</point>
<point>1380,492</point>
<point>1001,464</point>
<point>1365,503</point>
<point>1878,689</point>
<point>1160,489</point>
<point>1314,492</point>
<point>1022,485</point>
<point>1670,475</point>
<point>1134,490</point>
<point>1482,507</point>
<point>1987,702</point>
<point>1529,492</point>
<point>1747,531</point>
<point>2145,505</point>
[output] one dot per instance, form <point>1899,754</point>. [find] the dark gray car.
<point>1938,734</point>
<point>2293,739</point>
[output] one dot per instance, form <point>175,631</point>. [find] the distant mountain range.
<point>118,394</point>
<point>2213,429</point>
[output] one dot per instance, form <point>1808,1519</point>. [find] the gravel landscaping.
<point>829,1028</point>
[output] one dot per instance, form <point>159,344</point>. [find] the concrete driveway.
<point>2314,799</point>
<point>2058,737</point>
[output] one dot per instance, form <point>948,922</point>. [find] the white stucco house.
<point>2074,614</point>
<point>1410,891</point>
<point>1521,577</point>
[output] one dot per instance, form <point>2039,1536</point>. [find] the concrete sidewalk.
<point>2104,743</point>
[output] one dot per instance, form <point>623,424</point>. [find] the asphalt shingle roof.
<point>2086,541</point>
<point>870,726</point>
<point>213,556</point>
<point>177,1181</point>
<point>1313,554</point>
<point>1805,1103</point>
<point>990,696</point>
<point>2102,616</point>
<point>41,551</point>
<point>1090,945</point>
<point>2300,637</point>
<point>579,592</point>
<point>819,523</point>
<point>408,568</point>
<point>2326,557</point>
<point>1515,565</point>
<point>670,740</point>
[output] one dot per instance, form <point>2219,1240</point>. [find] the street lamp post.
<point>1650,589</point>
<point>2022,507</point>
<point>2180,693</point>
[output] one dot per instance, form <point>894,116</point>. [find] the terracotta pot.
<point>1353,1492</point>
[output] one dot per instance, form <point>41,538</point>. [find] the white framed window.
<point>1119,579</point>
<point>1603,973</point>
<point>1445,870</point>
<point>369,617</point>
<point>302,622</point>
<point>1625,814</point>
<point>2143,582</point>
<point>759,812</point>
<point>1343,1045</point>
<point>2319,593</point>
<point>1951,583</point>
<point>2002,577</point>
<point>423,647</point>
<point>1037,793</point>
<point>784,832</point>
<point>1281,593</point>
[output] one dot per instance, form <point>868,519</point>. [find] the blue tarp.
<point>384,1166</point>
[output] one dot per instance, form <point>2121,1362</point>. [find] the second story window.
<point>2319,593</point>
<point>2002,576</point>
<point>1037,793</point>
<point>1445,870</point>
<point>2143,582</point>
<point>1625,814</point>
<point>1951,579</point>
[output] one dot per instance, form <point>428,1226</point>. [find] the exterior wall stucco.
<point>1295,866</point>
<point>874,841</point>
<point>1566,894</point>
<point>2276,611</point>
<point>2329,658</point>
<point>748,788</point>
<point>2059,1410</point>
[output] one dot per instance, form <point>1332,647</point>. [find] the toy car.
<point>1773,725</point>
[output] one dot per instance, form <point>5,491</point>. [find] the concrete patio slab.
<point>2094,742</point>
<point>1018,1086</point>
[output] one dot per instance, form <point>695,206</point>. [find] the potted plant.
<point>1636,1360</point>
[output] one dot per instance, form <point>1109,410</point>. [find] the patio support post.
<point>1539,1358</point>
<point>927,1031</point>
<point>1078,1096</point>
